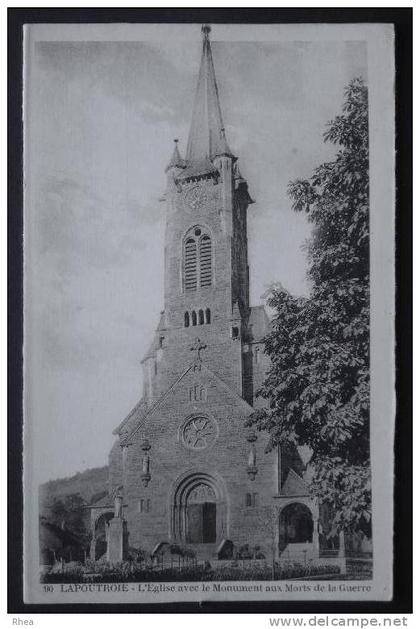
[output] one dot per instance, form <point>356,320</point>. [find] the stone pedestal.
<point>116,539</point>
<point>342,552</point>
<point>315,538</point>
<point>92,551</point>
<point>342,547</point>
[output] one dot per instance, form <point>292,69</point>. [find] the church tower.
<point>206,255</point>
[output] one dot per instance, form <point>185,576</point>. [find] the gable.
<point>131,420</point>
<point>197,388</point>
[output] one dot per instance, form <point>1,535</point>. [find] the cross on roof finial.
<point>197,347</point>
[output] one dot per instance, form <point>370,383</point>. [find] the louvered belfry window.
<point>190,264</point>
<point>197,260</point>
<point>205,261</point>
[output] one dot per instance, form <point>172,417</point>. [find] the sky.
<point>100,122</point>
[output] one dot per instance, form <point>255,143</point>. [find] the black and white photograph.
<point>209,372</point>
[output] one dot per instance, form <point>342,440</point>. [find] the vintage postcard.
<point>209,312</point>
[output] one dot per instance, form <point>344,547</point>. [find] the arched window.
<point>200,317</point>
<point>205,261</point>
<point>145,505</point>
<point>187,320</point>
<point>194,317</point>
<point>190,264</point>
<point>208,316</point>
<point>197,259</point>
<point>251,500</point>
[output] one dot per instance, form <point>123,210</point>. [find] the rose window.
<point>199,433</point>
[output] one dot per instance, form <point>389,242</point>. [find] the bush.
<point>360,569</point>
<point>244,552</point>
<point>137,554</point>
<point>131,572</point>
<point>249,552</point>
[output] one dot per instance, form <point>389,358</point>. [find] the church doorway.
<point>199,512</point>
<point>296,525</point>
<point>201,515</point>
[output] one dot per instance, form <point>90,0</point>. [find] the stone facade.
<point>188,468</point>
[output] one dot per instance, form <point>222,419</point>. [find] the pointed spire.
<point>207,134</point>
<point>176,160</point>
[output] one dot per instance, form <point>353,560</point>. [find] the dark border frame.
<point>402,20</point>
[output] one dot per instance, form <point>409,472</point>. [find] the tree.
<point>69,513</point>
<point>317,387</point>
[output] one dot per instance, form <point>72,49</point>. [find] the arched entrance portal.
<point>99,540</point>
<point>199,513</point>
<point>296,525</point>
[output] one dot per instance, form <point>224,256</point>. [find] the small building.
<point>56,543</point>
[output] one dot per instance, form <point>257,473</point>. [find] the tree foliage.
<point>69,513</point>
<point>317,387</point>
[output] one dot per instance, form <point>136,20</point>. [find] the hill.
<point>90,485</point>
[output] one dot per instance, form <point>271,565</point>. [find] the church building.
<point>185,468</point>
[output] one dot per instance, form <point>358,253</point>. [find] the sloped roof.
<point>176,160</point>
<point>65,537</point>
<point>259,323</point>
<point>105,501</point>
<point>138,411</point>
<point>198,168</point>
<point>154,345</point>
<point>294,485</point>
<point>207,134</point>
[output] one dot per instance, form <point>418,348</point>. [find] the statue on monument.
<point>118,502</point>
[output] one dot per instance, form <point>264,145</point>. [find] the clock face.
<point>199,433</point>
<point>195,197</point>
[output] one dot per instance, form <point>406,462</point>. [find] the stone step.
<point>204,551</point>
<point>299,551</point>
